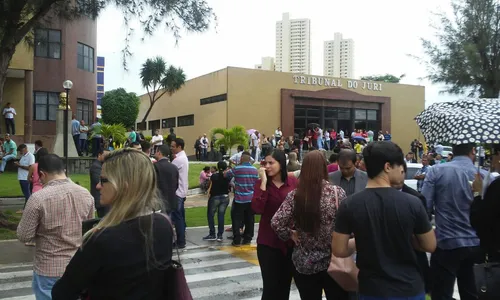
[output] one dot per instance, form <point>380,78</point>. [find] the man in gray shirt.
<point>348,177</point>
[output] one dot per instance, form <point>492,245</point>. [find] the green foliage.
<point>158,79</point>
<point>120,107</point>
<point>117,131</point>
<point>384,78</point>
<point>231,137</point>
<point>148,138</point>
<point>466,54</point>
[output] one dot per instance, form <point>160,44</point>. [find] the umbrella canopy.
<point>250,131</point>
<point>313,125</point>
<point>461,122</point>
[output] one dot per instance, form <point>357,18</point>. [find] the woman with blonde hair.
<point>125,254</point>
<point>307,217</point>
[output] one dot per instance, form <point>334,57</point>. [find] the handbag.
<point>487,279</point>
<point>344,270</point>
<point>175,285</point>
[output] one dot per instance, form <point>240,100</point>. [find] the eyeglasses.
<point>104,180</point>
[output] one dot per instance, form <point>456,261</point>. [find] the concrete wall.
<point>22,58</point>
<point>14,93</point>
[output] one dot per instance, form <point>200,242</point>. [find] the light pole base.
<point>59,140</point>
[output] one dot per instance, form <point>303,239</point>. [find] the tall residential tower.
<point>293,45</point>
<point>338,57</point>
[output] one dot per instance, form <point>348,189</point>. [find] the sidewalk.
<point>15,252</point>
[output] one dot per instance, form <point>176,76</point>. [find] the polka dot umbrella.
<point>465,121</point>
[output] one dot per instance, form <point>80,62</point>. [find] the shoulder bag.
<point>344,270</point>
<point>487,279</point>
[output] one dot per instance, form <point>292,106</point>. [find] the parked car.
<point>447,150</point>
<point>412,170</point>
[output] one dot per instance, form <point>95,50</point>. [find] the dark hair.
<point>333,158</point>
<point>377,154</point>
<point>346,155</point>
<point>463,149</point>
<point>222,166</point>
<point>405,167</point>
<point>164,150</point>
<point>179,142</point>
<point>51,164</point>
<point>21,147</point>
<point>145,145</point>
<point>280,157</point>
<point>241,148</point>
<point>206,168</point>
<point>171,130</point>
<point>496,149</point>
<point>246,153</point>
<point>39,143</point>
<point>307,200</point>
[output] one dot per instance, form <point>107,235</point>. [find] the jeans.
<point>204,154</point>
<point>242,212</point>
<point>179,220</point>
<point>42,286</point>
<point>10,126</point>
<point>76,139</point>
<point>5,159</point>
<point>96,146</point>
<point>448,265</point>
<point>311,286</point>
<point>277,271</point>
<point>219,204</point>
<point>419,297</point>
<point>25,188</point>
<point>84,147</point>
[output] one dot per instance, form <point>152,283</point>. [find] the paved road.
<point>212,273</point>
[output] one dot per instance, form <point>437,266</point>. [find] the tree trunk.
<point>148,111</point>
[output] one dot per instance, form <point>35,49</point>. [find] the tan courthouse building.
<point>265,100</point>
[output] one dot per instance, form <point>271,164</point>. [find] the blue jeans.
<point>5,159</point>
<point>219,204</point>
<point>204,156</point>
<point>84,147</point>
<point>179,220</point>
<point>419,297</point>
<point>25,188</point>
<point>42,286</point>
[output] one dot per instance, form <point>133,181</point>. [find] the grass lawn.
<point>9,185</point>
<point>196,216</point>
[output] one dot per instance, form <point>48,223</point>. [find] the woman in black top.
<point>218,193</point>
<point>124,256</point>
<point>485,211</point>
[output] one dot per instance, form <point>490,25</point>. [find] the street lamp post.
<point>67,85</point>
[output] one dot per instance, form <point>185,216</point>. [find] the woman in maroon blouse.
<point>274,254</point>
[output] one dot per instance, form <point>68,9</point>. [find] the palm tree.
<point>116,131</point>
<point>158,79</point>
<point>230,137</point>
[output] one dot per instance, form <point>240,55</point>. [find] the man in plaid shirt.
<point>53,220</point>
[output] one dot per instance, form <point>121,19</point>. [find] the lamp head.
<point>67,84</point>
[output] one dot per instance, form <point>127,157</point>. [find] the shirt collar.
<point>245,164</point>
<point>462,159</point>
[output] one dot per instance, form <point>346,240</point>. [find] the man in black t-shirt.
<point>388,226</point>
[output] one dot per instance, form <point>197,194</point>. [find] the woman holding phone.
<point>274,254</point>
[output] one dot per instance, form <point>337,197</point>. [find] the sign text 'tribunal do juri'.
<point>331,82</point>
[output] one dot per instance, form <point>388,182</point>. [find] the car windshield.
<point>411,172</point>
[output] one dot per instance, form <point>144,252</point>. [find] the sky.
<point>385,33</point>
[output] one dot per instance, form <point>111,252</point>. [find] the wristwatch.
<point>477,194</point>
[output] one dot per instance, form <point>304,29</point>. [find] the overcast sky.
<point>384,32</point>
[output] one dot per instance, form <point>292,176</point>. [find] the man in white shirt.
<point>204,147</point>
<point>179,216</point>
<point>9,113</point>
<point>254,142</point>
<point>156,140</point>
<point>27,159</point>
<point>236,158</point>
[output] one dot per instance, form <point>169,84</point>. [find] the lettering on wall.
<point>335,82</point>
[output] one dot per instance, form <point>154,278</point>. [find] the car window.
<point>411,172</point>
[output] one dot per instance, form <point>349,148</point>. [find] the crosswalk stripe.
<point>211,263</point>
<point>201,254</point>
<point>11,275</point>
<point>15,285</point>
<point>11,266</point>
<point>221,274</point>
<point>30,297</point>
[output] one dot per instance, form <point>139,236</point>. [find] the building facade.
<point>101,63</point>
<point>267,100</point>
<point>267,64</point>
<point>65,50</point>
<point>293,45</point>
<point>338,57</point>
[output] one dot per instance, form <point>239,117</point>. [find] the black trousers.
<point>242,213</point>
<point>277,271</point>
<point>448,265</point>
<point>10,126</point>
<point>311,287</point>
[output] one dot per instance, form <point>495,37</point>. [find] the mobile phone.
<point>262,163</point>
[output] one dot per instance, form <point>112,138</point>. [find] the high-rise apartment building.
<point>293,45</point>
<point>266,64</point>
<point>338,57</point>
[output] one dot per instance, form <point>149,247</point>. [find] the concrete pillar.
<point>28,105</point>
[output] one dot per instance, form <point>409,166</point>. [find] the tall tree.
<point>384,78</point>
<point>159,79</point>
<point>230,137</point>
<point>18,18</point>
<point>120,107</point>
<point>466,54</point>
